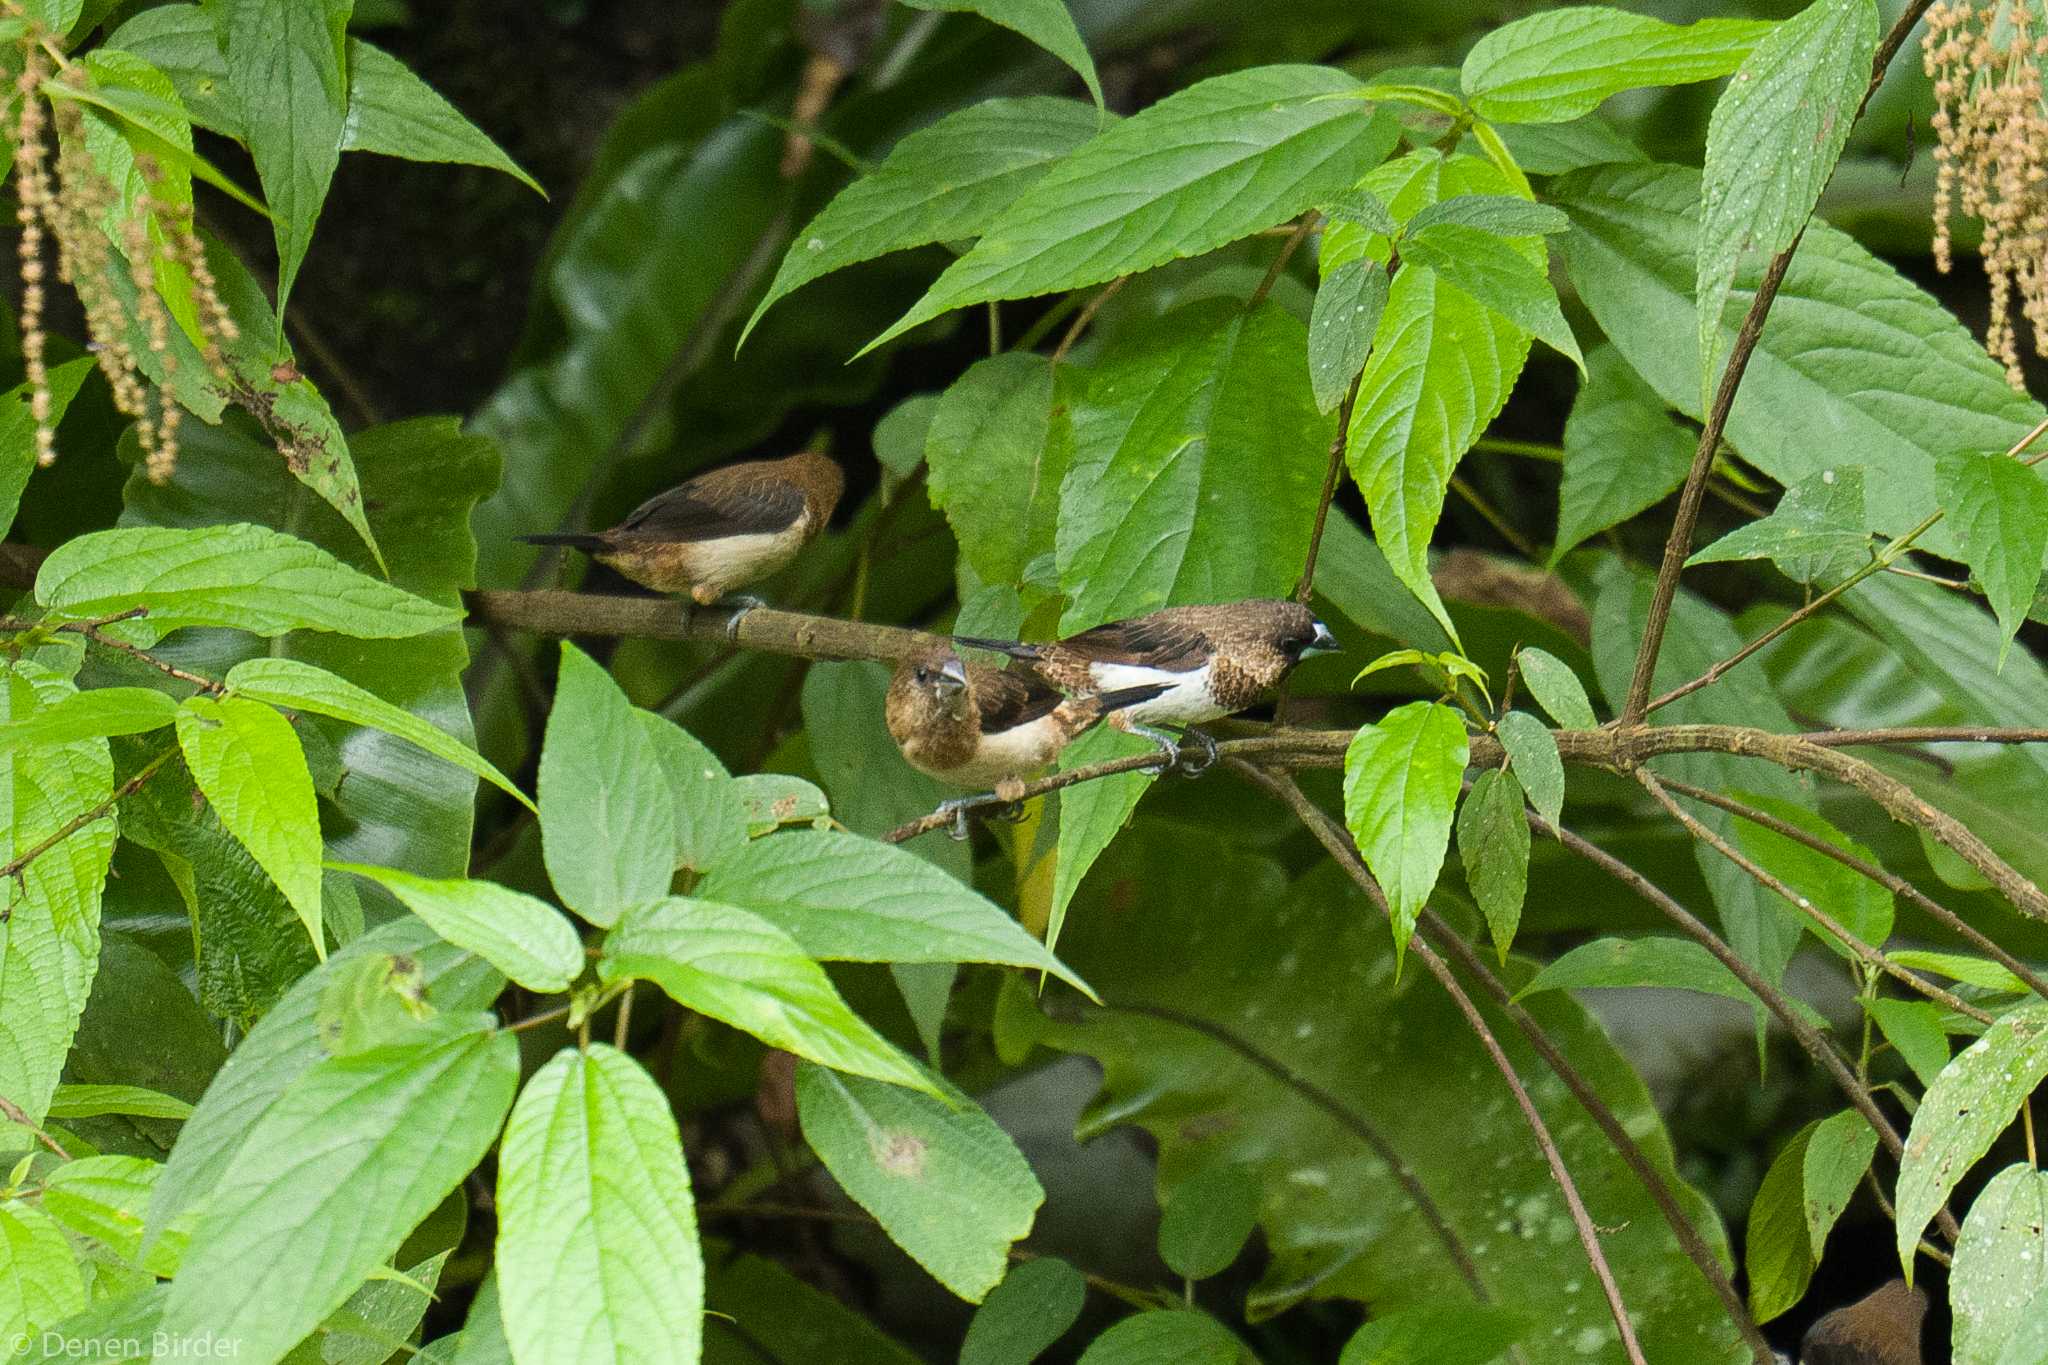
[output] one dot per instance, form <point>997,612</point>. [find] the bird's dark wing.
<point>725,502</point>
<point>1155,641</point>
<point>1009,698</point>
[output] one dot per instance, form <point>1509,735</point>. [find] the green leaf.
<point>1503,215</point>
<point>18,431</point>
<point>597,1232</point>
<point>1465,1334</point>
<point>526,939</point>
<point>1206,1221</point>
<point>1779,1255</point>
<point>247,762</point>
<point>1968,1105</point>
<point>1092,814</point>
<point>1981,972</point>
<point>944,183</point>
<point>1441,367</point>
<point>791,1320</point>
<point>1837,1155</point>
<point>853,899</point>
<point>1348,306</point>
<point>737,967</point>
<point>103,1197</point>
<point>288,71</point>
<point>1815,532</point>
<point>393,112</point>
<point>772,800</point>
<point>89,1101</point>
<point>1533,751</point>
<point>1557,65</point>
<point>711,821</point>
<point>993,468</point>
<point>1181,1335</point>
<point>2029,1339</point>
<point>39,1279</point>
<point>1998,509</point>
<point>244,576</point>
<point>300,686</point>
<point>1493,843</point>
<point>1771,147</point>
<point>1203,167</point>
<point>285,1043</point>
<point>1557,689</point>
<point>377,1321</point>
<point>371,1002</point>
<point>1623,452</point>
<point>1862,906</point>
<point>2001,1263</point>
<point>348,1160</point>
<point>944,1181</point>
<point>1673,963</point>
<point>91,715</point>
<point>1401,783</point>
<point>1485,266</point>
<point>1913,1028</point>
<point>607,812</point>
<point>180,41</point>
<point>110,1327</point>
<point>1363,207</point>
<point>1044,22</point>
<point>1198,461</point>
<point>1856,363</point>
<point>1037,1303</point>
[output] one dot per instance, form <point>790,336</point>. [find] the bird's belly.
<point>1009,753</point>
<point>1186,701</point>
<point>709,569</point>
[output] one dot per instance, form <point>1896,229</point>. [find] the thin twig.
<point>165,666</point>
<point>1086,316</point>
<point>14,1113</point>
<point>1492,516</point>
<point>84,818</point>
<point>1884,877</point>
<point>1051,782</point>
<point>1287,249</point>
<point>1770,882</point>
<point>1307,584</point>
<point>1589,1235</point>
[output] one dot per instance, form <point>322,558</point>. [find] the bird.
<point>719,531</point>
<point>975,726</point>
<point>1882,1328</point>
<point>1212,660</point>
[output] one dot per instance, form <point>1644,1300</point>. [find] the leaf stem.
<point>1086,316</point>
<point>1287,249</point>
<point>84,818</point>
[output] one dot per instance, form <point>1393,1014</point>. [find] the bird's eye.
<point>922,674</point>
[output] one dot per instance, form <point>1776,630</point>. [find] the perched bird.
<point>975,726</point>
<point>1208,660</point>
<point>721,530</point>
<point>1882,1328</point>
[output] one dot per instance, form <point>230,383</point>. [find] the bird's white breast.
<point>1010,753</point>
<point>1187,700</point>
<point>730,562</point>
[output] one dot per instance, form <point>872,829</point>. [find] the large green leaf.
<point>944,1181</point>
<point>939,184</point>
<point>50,937</point>
<point>348,1160</point>
<point>1837,1156</point>
<point>284,1045</point>
<point>96,714</point>
<point>1177,1334</point>
<point>1203,167</point>
<point>1348,306</point>
<point>1401,781</point>
<point>1622,451</point>
<point>1815,531</point>
<point>1035,1305</point>
<point>103,1197</point>
<point>247,763</point>
<point>393,112</point>
<point>1998,511</point>
<point>607,813</point>
<point>711,819</point>
<point>2001,1264</point>
<point>1045,22</point>
<point>737,967</point>
<point>1308,983</point>
<point>1441,367</point>
<point>1486,266</point>
<point>597,1233</point>
<point>18,431</point>
<point>1778,1253</point>
<point>1092,813</point>
<point>1198,459</point>
<point>1560,64</point>
<point>1862,906</point>
<point>39,1279</point>
<point>1493,844</point>
<point>1772,145</point>
<point>755,1304</point>
<point>995,464</point>
<point>1856,364</point>
<point>287,68</point>
<point>843,897</point>
<point>526,939</point>
<point>245,576</point>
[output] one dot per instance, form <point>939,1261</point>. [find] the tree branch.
<point>1678,546</point>
<point>84,818</point>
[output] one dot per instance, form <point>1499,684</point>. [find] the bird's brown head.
<point>929,694</point>
<point>822,480</point>
<point>1289,629</point>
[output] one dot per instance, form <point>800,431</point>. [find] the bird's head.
<point>1297,633</point>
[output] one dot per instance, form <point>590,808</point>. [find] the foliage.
<point>383,977</point>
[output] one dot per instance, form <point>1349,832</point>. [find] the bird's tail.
<point>576,540</point>
<point>1013,648</point>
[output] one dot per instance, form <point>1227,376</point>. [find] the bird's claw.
<point>1200,764</point>
<point>739,606</point>
<point>956,810</point>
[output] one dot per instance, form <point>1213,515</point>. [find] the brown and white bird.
<point>1208,661</point>
<point>975,726</point>
<point>721,530</point>
<point>1882,1328</point>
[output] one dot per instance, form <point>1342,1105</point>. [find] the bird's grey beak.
<point>952,676</point>
<point>1324,642</point>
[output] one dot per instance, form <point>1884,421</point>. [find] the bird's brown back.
<point>753,497</point>
<point>1882,1328</point>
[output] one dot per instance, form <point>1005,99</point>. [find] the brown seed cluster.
<point>114,250</point>
<point>1991,157</point>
